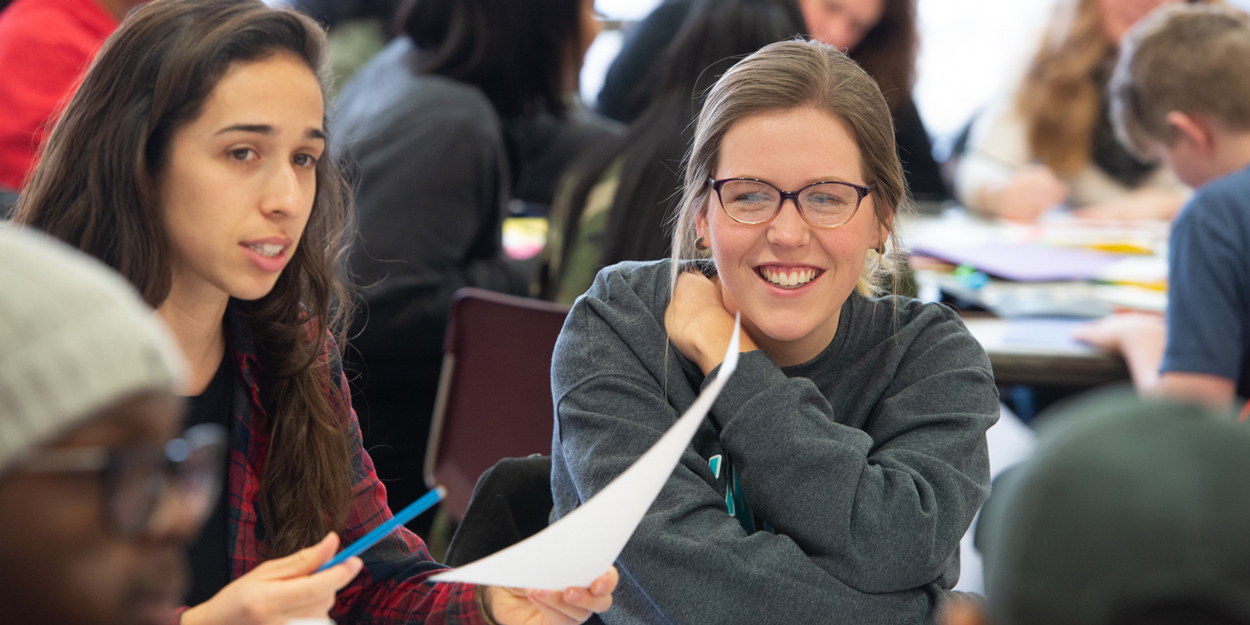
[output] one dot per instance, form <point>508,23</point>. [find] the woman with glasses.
<point>193,160</point>
<point>845,459</point>
<point>98,499</point>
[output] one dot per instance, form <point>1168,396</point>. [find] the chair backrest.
<point>510,503</point>
<point>494,394</point>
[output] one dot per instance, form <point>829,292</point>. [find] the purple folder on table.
<point>1022,262</point>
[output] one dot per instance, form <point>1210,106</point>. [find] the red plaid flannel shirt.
<point>392,587</point>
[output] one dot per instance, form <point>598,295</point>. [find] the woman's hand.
<point>698,324</point>
<point>517,606</point>
<point>1031,191</point>
<point>279,590</point>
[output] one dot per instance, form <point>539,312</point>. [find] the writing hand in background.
<point>1140,204</point>
<point>1030,192</point>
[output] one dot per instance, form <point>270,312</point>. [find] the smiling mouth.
<point>268,250</point>
<point>791,279</point>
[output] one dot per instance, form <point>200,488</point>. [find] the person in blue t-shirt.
<point>1179,93</point>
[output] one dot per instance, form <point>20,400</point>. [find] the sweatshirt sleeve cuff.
<point>755,374</point>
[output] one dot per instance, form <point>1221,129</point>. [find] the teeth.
<point>788,278</point>
<point>268,250</point>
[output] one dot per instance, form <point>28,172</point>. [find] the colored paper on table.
<point>1022,263</point>
<point>577,549</point>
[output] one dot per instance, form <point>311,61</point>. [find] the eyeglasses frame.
<point>102,460</point>
<point>860,190</point>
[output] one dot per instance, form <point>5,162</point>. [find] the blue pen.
<point>426,502</point>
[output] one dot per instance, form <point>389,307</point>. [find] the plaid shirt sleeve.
<point>393,586</point>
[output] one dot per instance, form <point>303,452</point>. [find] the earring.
<point>700,245</point>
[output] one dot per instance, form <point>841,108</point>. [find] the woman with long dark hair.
<point>193,161</point>
<point>462,113</point>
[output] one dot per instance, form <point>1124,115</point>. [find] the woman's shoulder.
<point>916,327</point>
<point>630,285</point>
<point>619,321</point>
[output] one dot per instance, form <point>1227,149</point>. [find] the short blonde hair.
<point>1188,58</point>
<point>789,75</point>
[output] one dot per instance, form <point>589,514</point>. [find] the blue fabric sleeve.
<point>1207,311</point>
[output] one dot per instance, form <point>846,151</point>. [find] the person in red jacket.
<point>45,46</point>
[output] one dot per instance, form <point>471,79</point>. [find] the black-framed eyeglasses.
<point>824,204</point>
<point>140,479</point>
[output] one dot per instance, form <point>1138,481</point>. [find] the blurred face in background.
<point>841,23</point>
<point>1119,15</point>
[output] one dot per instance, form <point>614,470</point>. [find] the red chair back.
<point>494,394</point>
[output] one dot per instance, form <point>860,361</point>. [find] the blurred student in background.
<point>619,203</point>
<point>469,108</point>
<point>45,46</point>
<point>98,502</point>
<point>1050,140</point>
<point>1180,94</point>
<point>193,161</point>
<point>1128,513</point>
<point>880,35</point>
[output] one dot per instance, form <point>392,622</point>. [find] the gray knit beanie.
<point>74,339</point>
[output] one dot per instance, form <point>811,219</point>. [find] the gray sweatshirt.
<point>832,491</point>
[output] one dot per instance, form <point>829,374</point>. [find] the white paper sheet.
<point>580,547</point>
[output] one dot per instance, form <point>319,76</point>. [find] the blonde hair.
<point>1060,98</point>
<point>784,76</point>
<point>1193,59</point>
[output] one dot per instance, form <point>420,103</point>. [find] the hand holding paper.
<point>578,548</point>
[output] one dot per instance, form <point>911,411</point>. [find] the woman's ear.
<point>883,231</point>
<point>700,225</point>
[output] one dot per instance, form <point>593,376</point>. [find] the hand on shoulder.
<point>698,324</point>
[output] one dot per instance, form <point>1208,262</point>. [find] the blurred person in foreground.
<point>1130,512</point>
<point>1180,94</point>
<point>98,502</point>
